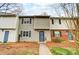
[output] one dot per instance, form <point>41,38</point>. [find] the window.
<point>52,21</point>
<point>25,34</point>
<point>70,36</point>
<point>57,34</point>
<point>29,20</point>
<point>59,21</point>
<point>26,21</point>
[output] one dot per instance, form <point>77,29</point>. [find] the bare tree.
<point>11,7</point>
<point>69,11</point>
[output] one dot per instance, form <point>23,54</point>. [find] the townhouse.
<point>8,27</point>
<point>37,28</point>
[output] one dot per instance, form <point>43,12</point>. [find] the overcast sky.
<point>52,9</point>
<point>38,9</point>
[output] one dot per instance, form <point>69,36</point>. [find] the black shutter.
<point>52,21</point>
<point>21,34</point>
<point>29,33</point>
<point>59,21</point>
<point>30,20</point>
<point>22,20</point>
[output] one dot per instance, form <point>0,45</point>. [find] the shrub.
<point>60,51</point>
<point>57,40</point>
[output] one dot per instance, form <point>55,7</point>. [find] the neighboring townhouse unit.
<point>37,28</point>
<point>62,27</point>
<point>8,28</point>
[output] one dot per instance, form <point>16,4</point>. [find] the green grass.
<point>74,51</point>
<point>60,51</point>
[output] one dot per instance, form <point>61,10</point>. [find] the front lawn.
<point>22,48</point>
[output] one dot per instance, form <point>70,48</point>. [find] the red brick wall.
<point>64,35</point>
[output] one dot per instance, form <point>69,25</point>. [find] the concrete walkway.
<point>43,50</point>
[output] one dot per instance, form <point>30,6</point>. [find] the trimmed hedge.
<point>60,51</point>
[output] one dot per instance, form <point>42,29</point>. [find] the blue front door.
<point>41,36</point>
<point>6,36</point>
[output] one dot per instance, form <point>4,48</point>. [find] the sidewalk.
<point>43,50</point>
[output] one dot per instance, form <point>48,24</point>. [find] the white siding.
<point>47,35</point>
<point>11,37</point>
<point>28,27</point>
<point>1,36</point>
<point>63,24</point>
<point>34,37</point>
<point>41,23</point>
<point>8,22</point>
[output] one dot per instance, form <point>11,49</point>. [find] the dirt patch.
<point>19,48</point>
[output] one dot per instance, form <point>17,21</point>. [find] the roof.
<point>35,16</point>
<point>64,17</point>
<point>3,14</point>
<point>7,14</point>
<point>42,16</point>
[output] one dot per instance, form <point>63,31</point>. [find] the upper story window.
<point>59,21</point>
<point>56,21</point>
<point>26,21</point>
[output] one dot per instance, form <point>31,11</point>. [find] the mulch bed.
<point>12,48</point>
<point>65,44</point>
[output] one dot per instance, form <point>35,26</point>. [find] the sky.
<point>52,9</point>
<point>38,9</point>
